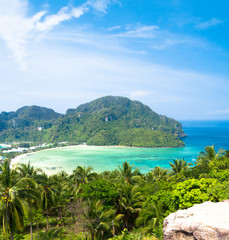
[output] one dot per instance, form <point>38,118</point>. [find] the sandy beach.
<point>17,159</point>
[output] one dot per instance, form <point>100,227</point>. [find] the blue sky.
<point>172,55</point>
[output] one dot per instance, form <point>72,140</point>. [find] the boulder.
<point>204,221</point>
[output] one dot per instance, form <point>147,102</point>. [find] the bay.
<point>200,134</point>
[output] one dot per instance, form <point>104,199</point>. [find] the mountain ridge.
<point>103,121</point>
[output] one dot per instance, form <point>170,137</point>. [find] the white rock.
<point>204,221</point>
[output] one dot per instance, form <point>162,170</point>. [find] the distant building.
<point>20,150</point>
<point>32,148</point>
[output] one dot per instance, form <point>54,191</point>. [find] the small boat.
<point>193,159</point>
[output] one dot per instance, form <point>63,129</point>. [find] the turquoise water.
<point>200,134</point>
<point>3,146</point>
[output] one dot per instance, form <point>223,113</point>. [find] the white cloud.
<point>224,111</point>
<point>210,23</point>
<point>16,28</point>
<point>99,5</point>
<point>168,40</point>
<point>64,14</point>
<point>153,37</point>
<point>138,94</point>
<point>140,31</point>
<point>114,28</point>
<point>66,77</point>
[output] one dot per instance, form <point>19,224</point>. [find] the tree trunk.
<point>11,235</point>
<point>31,230</point>
<point>38,228</point>
<point>92,235</point>
<point>126,223</point>
<point>61,213</point>
<point>113,227</point>
<point>47,216</point>
<point>58,214</point>
<point>9,222</point>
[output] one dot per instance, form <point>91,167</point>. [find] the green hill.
<point>105,121</point>
<point>23,124</point>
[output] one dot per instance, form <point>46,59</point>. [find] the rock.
<point>204,221</point>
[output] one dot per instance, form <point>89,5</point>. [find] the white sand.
<point>16,160</point>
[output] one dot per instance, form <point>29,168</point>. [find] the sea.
<point>199,135</point>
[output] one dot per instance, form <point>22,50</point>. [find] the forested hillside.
<point>104,121</point>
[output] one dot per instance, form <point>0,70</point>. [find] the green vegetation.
<point>120,204</point>
<point>104,121</point>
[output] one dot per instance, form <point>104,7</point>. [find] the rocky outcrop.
<point>204,221</point>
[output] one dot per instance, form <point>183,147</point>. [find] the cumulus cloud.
<point>16,28</point>
<point>210,23</point>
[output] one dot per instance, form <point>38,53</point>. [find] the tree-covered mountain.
<point>24,123</point>
<point>105,121</point>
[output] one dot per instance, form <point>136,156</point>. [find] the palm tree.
<point>159,173</point>
<point>47,194</point>
<point>127,174</point>
<point>62,196</point>
<point>209,154</point>
<point>178,165</point>
<point>98,219</point>
<point>30,172</point>
<point>14,191</point>
<point>129,203</point>
<point>151,216</point>
<point>156,174</point>
<point>83,175</point>
<point>26,170</point>
<point>63,191</point>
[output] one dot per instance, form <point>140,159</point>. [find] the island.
<point>107,121</point>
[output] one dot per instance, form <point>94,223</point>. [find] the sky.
<point>172,55</point>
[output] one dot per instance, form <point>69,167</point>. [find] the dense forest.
<point>104,121</point>
<point>120,204</point>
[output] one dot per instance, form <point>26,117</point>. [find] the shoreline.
<point>3,145</point>
<point>16,160</point>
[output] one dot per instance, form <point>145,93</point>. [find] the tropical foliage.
<point>119,204</point>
